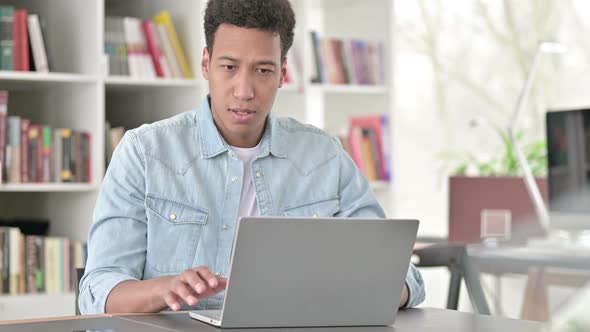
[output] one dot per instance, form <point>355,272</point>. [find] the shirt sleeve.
<point>117,240</point>
<point>357,201</point>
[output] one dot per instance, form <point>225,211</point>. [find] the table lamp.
<point>531,186</point>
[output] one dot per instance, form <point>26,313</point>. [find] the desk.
<point>424,320</point>
<point>572,267</point>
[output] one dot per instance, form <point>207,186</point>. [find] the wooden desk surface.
<point>424,320</point>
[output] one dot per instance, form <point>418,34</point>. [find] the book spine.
<point>6,38</point>
<point>24,150</point>
<point>164,18</point>
<point>2,254</point>
<point>14,234</point>
<point>66,172</point>
<point>37,44</point>
<point>24,41</point>
<point>34,152</point>
<point>148,30</point>
<point>40,271</point>
<point>3,133</point>
<point>168,51</point>
<point>14,143</point>
<point>16,56</point>
<point>6,262</point>
<point>319,63</point>
<point>57,155</point>
<point>46,154</point>
<point>31,264</point>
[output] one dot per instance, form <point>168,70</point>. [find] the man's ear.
<point>283,71</point>
<point>206,59</point>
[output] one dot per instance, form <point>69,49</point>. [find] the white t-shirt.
<point>248,204</point>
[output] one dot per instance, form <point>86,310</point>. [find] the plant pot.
<point>470,196</point>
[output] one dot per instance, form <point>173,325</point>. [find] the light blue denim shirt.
<point>170,198</point>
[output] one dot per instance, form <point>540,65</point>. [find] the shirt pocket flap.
<point>322,208</point>
<point>176,212</point>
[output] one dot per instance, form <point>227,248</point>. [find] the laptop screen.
<point>568,153</point>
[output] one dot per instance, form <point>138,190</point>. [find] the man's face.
<point>244,71</point>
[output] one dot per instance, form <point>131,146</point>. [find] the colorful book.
<point>154,48</point>
<point>13,149</point>
<point>21,41</point>
<point>37,44</point>
<point>24,150</point>
<point>46,154</point>
<point>379,124</point>
<point>6,38</point>
<point>164,19</point>
<point>3,133</point>
<point>168,51</point>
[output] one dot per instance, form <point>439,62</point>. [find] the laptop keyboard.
<point>215,314</point>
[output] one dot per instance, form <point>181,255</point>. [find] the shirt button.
<point>258,174</point>
<point>225,227</point>
<point>315,215</point>
<point>173,216</point>
<point>234,178</point>
<point>231,154</point>
<point>219,274</point>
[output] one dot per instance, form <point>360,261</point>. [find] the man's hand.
<point>157,294</point>
<point>405,296</point>
<point>190,286</point>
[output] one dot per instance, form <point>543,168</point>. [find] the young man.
<point>164,219</point>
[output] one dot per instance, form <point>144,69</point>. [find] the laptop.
<point>304,272</point>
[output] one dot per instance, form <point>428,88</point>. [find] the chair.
<point>79,275</point>
<point>455,258</point>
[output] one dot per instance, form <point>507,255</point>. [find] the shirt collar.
<point>213,144</point>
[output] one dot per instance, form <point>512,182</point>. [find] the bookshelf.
<point>329,106</point>
<point>77,94</point>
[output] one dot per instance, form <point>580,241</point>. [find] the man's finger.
<point>208,276</point>
<point>172,301</point>
<point>185,292</point>
<point>195,281</point>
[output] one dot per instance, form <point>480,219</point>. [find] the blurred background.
<point>423,95</point>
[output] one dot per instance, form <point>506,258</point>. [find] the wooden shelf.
<point>126,83</point>
<point>380,185</point>
<point>28,80</point>
<point>47,187</point>
<point>350,89</point>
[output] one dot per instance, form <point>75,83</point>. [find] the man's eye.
<point>229,67</point>
<point>264,71</point>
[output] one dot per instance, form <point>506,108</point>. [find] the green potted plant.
<point>495,184</point>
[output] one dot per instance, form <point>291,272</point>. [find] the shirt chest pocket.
<point>316,208</point>
<point>174,234</point>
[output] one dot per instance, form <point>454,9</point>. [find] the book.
<point>367,155</point>
<point>24,150</point>
<point>168,51</point>
<point>13,149</point>
<point>37,44</point>
<point>379,124</point>
<point>66,138</point>
<point>3,254</point>
<point>35,152</point>
<point>156,54</point>
<point>140,63</point>
<point>14,238</point>
<point>6,38</point>
<point>3,133</point>
<point>164,19</point>
<point>21,41</point>
<point>355,142</point>
<point>46,154</point>
<point>320,73</point>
